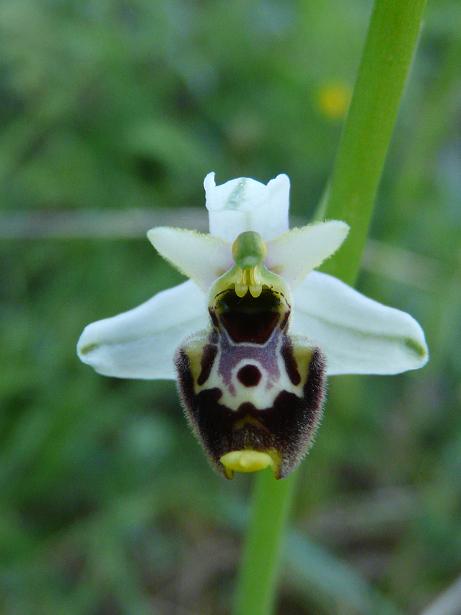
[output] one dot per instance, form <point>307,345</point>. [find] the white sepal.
<point>141,343</point>
<point>300,250</point>
<point>199,256</point>
<point>357,335</point>
<point>244,204</point>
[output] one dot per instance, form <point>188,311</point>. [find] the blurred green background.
<point>112,113</point>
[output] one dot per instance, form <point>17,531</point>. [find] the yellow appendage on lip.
<point>246,461</point>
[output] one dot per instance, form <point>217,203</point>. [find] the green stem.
<point>391,41</point>
<point>261,556</point>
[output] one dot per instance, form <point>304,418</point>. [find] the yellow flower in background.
<point>334,98</point>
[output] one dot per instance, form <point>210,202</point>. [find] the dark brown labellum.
<point>246,385</point>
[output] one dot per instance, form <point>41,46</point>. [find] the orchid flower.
<point>253,334</point>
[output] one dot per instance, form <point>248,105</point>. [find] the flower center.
<point>249,252</point>
<point>249,274</point>
<point>249,300</point>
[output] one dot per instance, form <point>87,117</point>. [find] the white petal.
<point>357,335</point>
<point>297,252</point>
<point>244,204</point>
<point>141,343</point>
<point>200,257</point>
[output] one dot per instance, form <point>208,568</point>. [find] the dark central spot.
<point>249,375</point>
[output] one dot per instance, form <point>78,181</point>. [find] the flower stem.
<point>259,566</point>
<point>391,41</point>
<point>389,49</point>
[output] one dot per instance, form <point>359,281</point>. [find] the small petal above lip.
<point>357,335</point>
<point>141,343</point>
<point>295,253</point>
<point>245,204</point>
<point>199,256</point>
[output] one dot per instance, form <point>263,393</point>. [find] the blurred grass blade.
<point>447,603</point>
<point>327,581</point>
